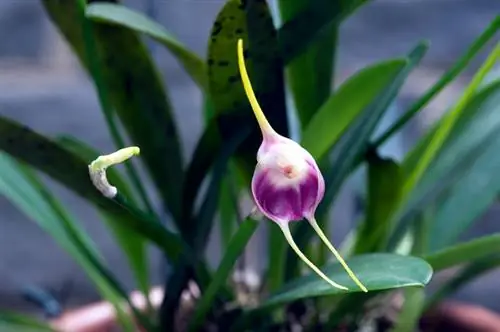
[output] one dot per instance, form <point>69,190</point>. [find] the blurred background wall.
<point>42,85</point>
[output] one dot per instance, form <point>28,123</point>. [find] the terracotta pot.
<point>456,316</point>
<point>100,316</point>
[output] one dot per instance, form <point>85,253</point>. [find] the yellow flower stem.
<point>264,125</point>
<point>288,236</point>
<point>323,237</point>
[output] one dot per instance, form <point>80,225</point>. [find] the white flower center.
<point>286,164</point>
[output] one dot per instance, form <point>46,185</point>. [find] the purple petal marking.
<point>309,192</point>
<point>287,203</point>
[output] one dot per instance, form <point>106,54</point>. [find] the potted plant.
<point>415,209</point>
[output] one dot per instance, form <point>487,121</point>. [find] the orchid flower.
<point>287,184</point>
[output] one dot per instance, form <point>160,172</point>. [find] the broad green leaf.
<point>134,90</point>
<point>20,185</point>
<point>464,252</point>
<point>71,171</point>
<point>346,104</point>
<point>296,34</point>
<point>384,189</point>
<point>349,150</point>
<point>448,77</point>
<point>234,250</point>
<point>464,157</point>
<point>376,271</point>
<point>468,199</point>
<point>310,75</point>
<point>253,23</point>
<point>123,16</point>
<point>10,321</point>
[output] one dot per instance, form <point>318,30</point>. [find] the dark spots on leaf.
<point>217,28</point>
<point>223,63</point>
<point>238,31</point>
<point>233,79</point>
<point>214,39</point>
<point>210,62</point>
<point>231,18</point>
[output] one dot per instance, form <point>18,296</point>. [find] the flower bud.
<point>287,184</point>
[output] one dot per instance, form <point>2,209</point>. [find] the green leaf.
<point>137,94</point>
<point>23,188</point>
<point>448,77</point>
<point>346,104</point>
<point>384,190</point>
<point>464,157</point>
<point>234,250</point>
<point>469,198</point>
<point>296,35</point>
<point>310,75</point>
<point>464,252</point>
<point>10,321</point>
<point>72,172</point>
<point>376,271</point>
<point>446,126</point>
<point>125,17</point>
<point>253,23</point>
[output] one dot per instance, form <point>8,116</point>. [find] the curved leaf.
<point>123,16</point>
<point>23,188</point>
<point>72,172</point>
<point>136,93</point>
<point>348,102</point>
<point>376,271</point>
<point>464,252</point>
